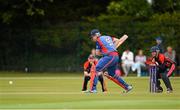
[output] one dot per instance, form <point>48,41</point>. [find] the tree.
<point>130,7</point>
<point>12,9</point>
<point>163,6</point>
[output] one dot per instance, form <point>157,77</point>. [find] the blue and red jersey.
<point>105,45</point>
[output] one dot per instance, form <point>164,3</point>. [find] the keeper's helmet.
<point>94,32</point>
<point>154,49</point>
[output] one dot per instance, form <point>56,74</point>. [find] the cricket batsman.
<point>106,47</point>
<point>165,68</point>
<point>89,74</point>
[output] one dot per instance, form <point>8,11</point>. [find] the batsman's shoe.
<point>93,91</point>
<point>129,88</point>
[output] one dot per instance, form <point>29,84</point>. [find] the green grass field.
<point>63,91</point>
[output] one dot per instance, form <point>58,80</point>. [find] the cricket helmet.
<point>94,32</point>
<point>154,49</point>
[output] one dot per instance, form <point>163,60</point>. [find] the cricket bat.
<point>120,41</point>
<point>114,80</point>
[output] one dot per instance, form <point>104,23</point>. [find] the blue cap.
<point>94,32</point>
<point>158,38</point>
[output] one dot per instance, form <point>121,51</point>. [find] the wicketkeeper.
<point>165,68</point>
<point>89,74</point>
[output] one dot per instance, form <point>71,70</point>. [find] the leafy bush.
<point>140,8</point>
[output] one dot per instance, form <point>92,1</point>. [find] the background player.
<point>165,68</point>
<point>89,74</point>
<point>106,47</point>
